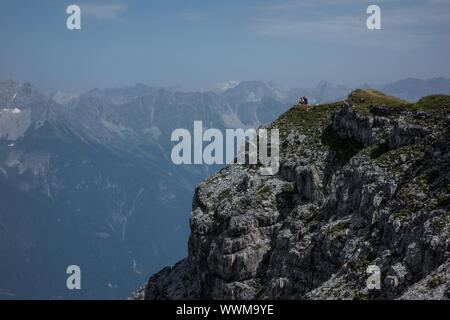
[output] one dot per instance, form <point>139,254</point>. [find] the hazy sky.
<point>200,43</point>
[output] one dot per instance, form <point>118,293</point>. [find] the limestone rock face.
<point>373,129</point>
<point>308,182</point>
<point>357,186</point>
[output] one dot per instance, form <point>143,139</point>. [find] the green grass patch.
<point>265,190</point>
<point>432,102</point>
<point>225,194</point>
<point>339,227</point>
<point>404,213</point>
<point>361,265</point>
<point>306,119</point>
<point>288,187</point>
<point>434,283</point>
<point>363,99</point>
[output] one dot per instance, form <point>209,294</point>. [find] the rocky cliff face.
<point>362,182</point>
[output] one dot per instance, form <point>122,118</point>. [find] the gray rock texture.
<point>361,182</point>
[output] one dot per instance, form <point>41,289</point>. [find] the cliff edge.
<point>362,182</point>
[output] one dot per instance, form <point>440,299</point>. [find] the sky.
<point>197,44</point>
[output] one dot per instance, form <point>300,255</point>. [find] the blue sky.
<point>196,44</point>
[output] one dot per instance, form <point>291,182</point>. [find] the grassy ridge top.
<point>364,100</point>
<point>306,119</point>
<point>374,97</point>
<point>312,120</point>
<point>308,116</point>
<point>433,101</point>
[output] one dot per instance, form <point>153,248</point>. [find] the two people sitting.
<point>303,101</point>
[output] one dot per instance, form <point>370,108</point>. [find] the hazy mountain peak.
<point>223,86</point>
<point>17,95</point>
<point>323,84</point>
<point>251,91</point>
<point>61,97</point>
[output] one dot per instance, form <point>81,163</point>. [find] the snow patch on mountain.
<point>14,123</point>
<point>15,110</point>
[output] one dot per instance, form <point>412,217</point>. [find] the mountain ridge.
<point>99,175</point>
<point>350,193</point>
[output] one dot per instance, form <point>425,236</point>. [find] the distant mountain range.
<point>87,179</point>
<point>91,183</point>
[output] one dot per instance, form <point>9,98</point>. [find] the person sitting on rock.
<point>305,101</point>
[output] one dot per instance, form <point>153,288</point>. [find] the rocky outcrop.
<point>354,190</point>
<point>374,129</point>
